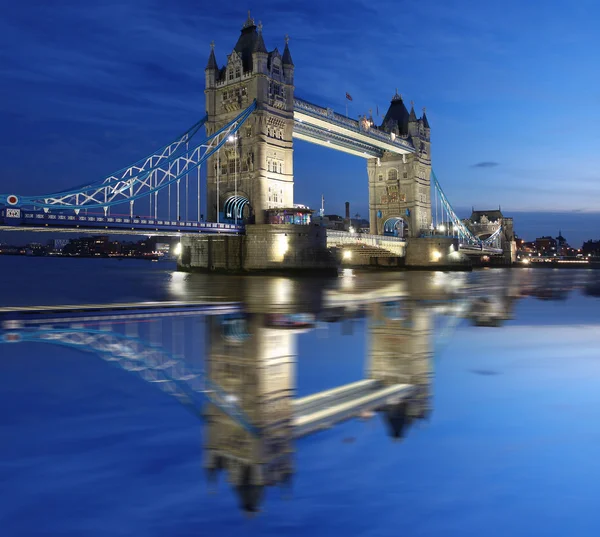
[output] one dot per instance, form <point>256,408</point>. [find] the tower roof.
<point>212,61</point>
<point>250,41</point>
<point>287,57</point>
<point>424,119</point>
<point>398,113</point>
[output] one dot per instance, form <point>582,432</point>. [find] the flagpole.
<point>346,108</point>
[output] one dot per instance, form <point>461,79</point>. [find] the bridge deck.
<point>348,406</point>
<point>106,312</point>
<point>323,126</point>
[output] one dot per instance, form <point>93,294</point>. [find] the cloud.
<point>485,164</point>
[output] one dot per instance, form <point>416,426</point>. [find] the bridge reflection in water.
<point>243,384</point>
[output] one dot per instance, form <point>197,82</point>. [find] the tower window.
<point>405,175</point>
<point>230,74</point>
<point>237,72</point>
<point>393,174</point>
<point>381,177</point>
<point>276,70</point>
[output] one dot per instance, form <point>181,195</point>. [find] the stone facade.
<point>265,247</point>
<point>261,156</point>
<point>400,353</point>
<point>399,185</point>
<point>255,362</point>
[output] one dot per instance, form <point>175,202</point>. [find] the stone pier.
<point>435,253</point>
<point>265,248</point>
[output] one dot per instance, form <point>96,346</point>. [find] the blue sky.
<point>511,91</point>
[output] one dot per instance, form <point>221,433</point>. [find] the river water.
<point>184,421</point>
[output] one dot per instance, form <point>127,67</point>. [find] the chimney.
<point>347,210</point>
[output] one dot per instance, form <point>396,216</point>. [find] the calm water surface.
<point>187,422</point>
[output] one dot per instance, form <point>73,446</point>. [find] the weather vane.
<point>287,39</point>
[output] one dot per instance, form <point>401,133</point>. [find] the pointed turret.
<point>413,122</point>
<point>412,116</point>
<point>260,46</point>
<point>424,119</point>
<point>212,60</point>
<point>212,68</point>
<point>287,56</point>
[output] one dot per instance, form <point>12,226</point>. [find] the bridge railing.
<point>352,124</point>
<point>393,244</point>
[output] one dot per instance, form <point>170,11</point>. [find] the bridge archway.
<point>237,205</point>
<point>396,227</point>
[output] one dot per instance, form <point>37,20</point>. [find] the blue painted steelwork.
<point>156,174</point>
<point>395,227</point>
<point>467,240</point>
<point>153,364</point>
<point>234,206</point>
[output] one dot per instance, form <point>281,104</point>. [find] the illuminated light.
<point>282,245</point>
<point>351,229</point>
<point>526,261</point>
<point>437,255</point>
<point>231,138</point>
<point>347,254</point>
<point>177,249</point>
<point>442,228</point>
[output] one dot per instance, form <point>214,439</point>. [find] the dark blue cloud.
<point>485,164</point>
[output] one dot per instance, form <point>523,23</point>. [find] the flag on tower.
<point>348,96</point>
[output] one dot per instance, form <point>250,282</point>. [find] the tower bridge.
<point>244,146</point>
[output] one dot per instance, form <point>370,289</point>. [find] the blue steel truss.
<point>153,364</point>
<point>144,178</point>
<point>466,237</point>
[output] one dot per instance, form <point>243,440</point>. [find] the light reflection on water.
<point>465,404</point>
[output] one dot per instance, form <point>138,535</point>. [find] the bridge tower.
<point>253,362</point>
<point>399,185</point>
<point>400,353</point>
<point>261,157</point>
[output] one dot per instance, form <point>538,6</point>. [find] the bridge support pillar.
<point>264,248</point>
<point>431,253</point>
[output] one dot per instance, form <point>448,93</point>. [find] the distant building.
<point>591,248</point>
<point>57,245</point>
<point>545,245</point>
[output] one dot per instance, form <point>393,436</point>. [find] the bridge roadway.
<point>117,225</point>
<point>395,245</point>
<point>327,408</point>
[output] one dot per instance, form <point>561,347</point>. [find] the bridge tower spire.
<point>255,171</point>
<point>399,185</point>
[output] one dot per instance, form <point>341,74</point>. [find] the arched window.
<point>393,174</point>
<point>279,167</point>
